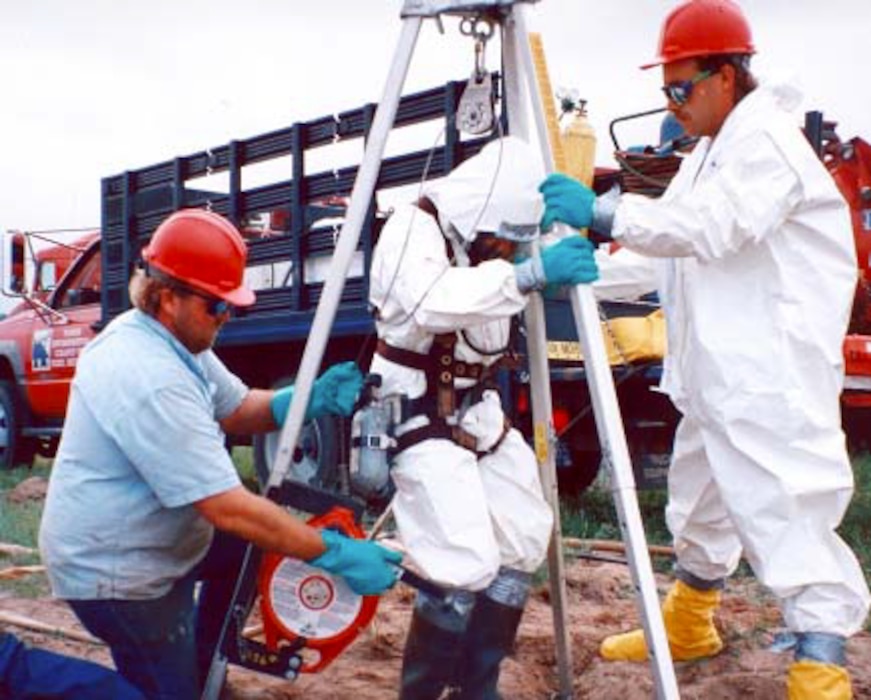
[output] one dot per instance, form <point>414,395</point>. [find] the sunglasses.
<point>680,91</point>
<point>214,306</point>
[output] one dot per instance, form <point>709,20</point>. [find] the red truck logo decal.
<point>56,348</point>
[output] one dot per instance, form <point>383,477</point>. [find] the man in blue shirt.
<point>142,478</point>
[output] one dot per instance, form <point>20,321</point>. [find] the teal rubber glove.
<point>570,261</point>
<point>334,392</point>
<point>368,568</point>
<point>566,200</point>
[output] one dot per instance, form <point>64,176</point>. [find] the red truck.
<point>850,165</point>
<point>57,290</point>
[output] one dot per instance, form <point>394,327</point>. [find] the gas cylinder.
<point>579,143</point>
<point>371,440</point>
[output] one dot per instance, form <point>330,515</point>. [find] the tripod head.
<point>434,8</point>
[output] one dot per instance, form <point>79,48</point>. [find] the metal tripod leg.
<point>536,347</point>
<point>612,439</point>
<point>243,597</point>
<point>361,195</point>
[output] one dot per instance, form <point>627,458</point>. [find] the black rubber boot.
<point>489,639</point>
<point>430,660</point>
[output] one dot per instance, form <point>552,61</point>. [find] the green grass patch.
<point>856,527</point>
<point>593,515</point>
<point>243,458</point>
<point>10,478</point>
<point>19,524</point>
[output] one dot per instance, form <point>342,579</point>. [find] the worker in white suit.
<point>469,505</point>
<point>756,270</point>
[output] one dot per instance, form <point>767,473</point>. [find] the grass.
<point>19,524</point>
<point>243,458</point>
<point>592,515</point>
<point>856,528</point>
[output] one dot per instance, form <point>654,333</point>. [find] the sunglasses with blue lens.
<point>680,91</point>
<point>214,306</point>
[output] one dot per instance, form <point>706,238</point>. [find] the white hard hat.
<point>495,190</point>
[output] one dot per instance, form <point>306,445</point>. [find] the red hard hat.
<point>204,251</point>
<point>703,28</point>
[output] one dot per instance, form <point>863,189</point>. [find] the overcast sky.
<point>95,87</point>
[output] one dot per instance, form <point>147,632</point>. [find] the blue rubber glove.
<point>368,568</point>
<point>570,261</point>
<point>566,200</point>
<point>334,392</point>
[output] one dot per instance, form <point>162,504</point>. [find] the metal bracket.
<point>433,8</point>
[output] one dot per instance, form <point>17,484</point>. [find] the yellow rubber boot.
<point>813,680</point>
<point>688,614</point>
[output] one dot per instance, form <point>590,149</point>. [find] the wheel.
<point>14,449</point>
<point>856,420</point>
<point>580,473</point>
<point>315,459</point>
<point>47,447</point>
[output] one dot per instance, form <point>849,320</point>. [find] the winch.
<point>309,616</point>
<point>311,611</point>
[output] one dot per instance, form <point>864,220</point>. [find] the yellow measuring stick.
<point>546,96</point>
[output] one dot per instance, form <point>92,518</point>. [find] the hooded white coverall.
<point>461,517</point>
<point>756,270</point>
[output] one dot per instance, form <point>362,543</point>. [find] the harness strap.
<point>401,356</point>
<point>419,361</point>
<point>439,430</point>
<point>441,375</point>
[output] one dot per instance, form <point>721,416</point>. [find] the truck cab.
<point>55,297</point>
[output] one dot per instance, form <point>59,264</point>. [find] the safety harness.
<point>441,400</point>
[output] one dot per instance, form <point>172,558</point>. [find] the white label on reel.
<point>311,603</point>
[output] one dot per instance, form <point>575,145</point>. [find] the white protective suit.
<point>461,517</point>
<point>756,271</point>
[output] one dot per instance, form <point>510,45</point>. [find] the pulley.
<point>475,110</point>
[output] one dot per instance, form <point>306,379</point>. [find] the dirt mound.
<point>31,489</point>
<point>600,603</point>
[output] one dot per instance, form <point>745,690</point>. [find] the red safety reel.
<point>307,607</point>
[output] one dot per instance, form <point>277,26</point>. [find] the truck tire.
<point>14,449</point>
<point>856,422</point>
<point>315,459</point>
<point>578,477</point>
